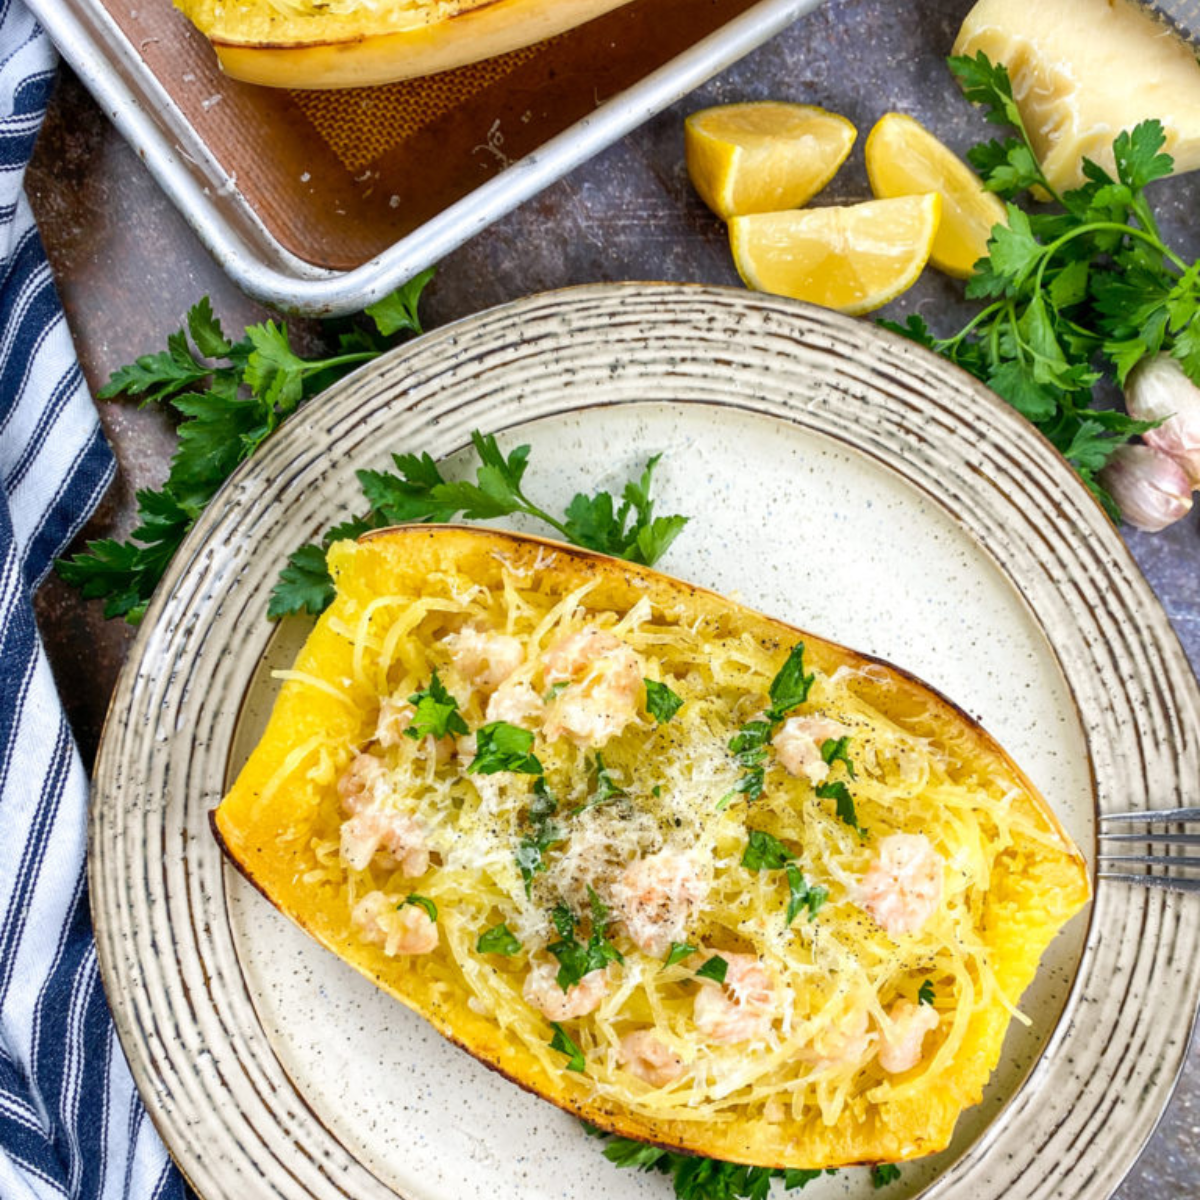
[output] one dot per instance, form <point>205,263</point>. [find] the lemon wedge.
<point>852,259</point>
<point>763,156</point>
<point>905,159</point>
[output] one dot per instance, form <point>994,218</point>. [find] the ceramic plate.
<point>836,477</point>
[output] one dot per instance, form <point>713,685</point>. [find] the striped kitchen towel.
<point>71,1123</point>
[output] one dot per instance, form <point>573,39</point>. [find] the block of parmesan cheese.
<point>1082,71</point>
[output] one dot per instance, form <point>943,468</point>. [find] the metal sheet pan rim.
<point>240,242</point>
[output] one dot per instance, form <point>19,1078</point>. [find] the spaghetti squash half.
<point>675,866</point>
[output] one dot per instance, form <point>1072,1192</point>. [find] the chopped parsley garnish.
<point>884,1173</point>
<point>845,804</point>
<point>925,992</point>
<point>436,713</point>
<point>545,833</point>
<point>716,968</point>
<point>764,852</point>
<point>679,951</point>
<point>575,958</point>
<point>504,747</point>
<point>698,1178</point>
<point>553,690</point>
<point>564,1044</point>
<point>661,703</point>
<point>789,689</point>
<point>421,902</point>
<point>606,789</point>
<point>498,940</point>
<point>802,895</point>
<point>838,750</point>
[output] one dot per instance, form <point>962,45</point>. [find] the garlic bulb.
<point>1159,389</point>
<point>1150,488</point>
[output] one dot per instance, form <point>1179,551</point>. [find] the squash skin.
<point>327,61</point>
<point>1033,893</point>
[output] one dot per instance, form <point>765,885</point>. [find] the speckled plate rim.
<point>196,1049</point>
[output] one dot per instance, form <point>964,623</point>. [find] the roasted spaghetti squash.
<point>699,877</point>
<point>359,43</point>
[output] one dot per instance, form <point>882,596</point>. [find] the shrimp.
<point>742,1008</point>
<point>798,746</point>
<point>571,655</point>
<point>901,1039</point>
<point>541,991</point>
<point>843,1045</point>
<point>903,885</point>
<point>397,833</point>
<point>515,703</point>
<point>399,928</point>
<point>363,783</point>
<point>657,896</point>
<point>394,718</point>
<point>643,1055</point>
<point>485,659</point>
<point>606,685</point>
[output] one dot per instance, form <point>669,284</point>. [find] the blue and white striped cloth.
<point>71,1123</point>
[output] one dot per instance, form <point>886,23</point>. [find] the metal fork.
<point>1113,828</point>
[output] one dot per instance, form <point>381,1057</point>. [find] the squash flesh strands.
<point>1012,876</point>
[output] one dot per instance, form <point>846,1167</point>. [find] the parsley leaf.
<point>698,1178</point>
<point>840,793</point>
<point>436,713</point>
<point>925,992</point>
<point>397,311</point>
<point>563,1043</point>
<point>504,747</point>
<point>606,788</point>
<point>791,686</point>
<point>231,397</point>
<point>679,951</point>
<point>498,940</point>
<point>420,902</point>
<point>883,1174</point>
<point>802,895</point>
<point>531,849</point>
<point>661,702</point>
<point>715,968</point>
<point>838,750</point>
<point>765,852</point>
<point>577,959</point>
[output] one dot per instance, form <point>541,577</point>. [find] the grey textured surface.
<point>630,214</point>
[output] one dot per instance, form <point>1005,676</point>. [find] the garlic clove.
<point>1150,488</point>
<point>1158,389</point>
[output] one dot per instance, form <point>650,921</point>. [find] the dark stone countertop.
<point>128,267</point>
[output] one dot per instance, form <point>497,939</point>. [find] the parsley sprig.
<point>1074,293</point>
<point>789,689</point>
<point>436,712</point>
<point>544,833</point>
<point>418,491</point>
<point>699,1178</point>
<point>765,852</point>
<point>231,396</point>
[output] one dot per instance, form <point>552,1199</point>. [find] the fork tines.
<point>1166,870</point>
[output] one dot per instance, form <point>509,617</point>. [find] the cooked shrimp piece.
<point>846,1044</point>
<point>573,654</point>
<point>485,659</point>
<point>364,782</point>
<point>398,834</point>
<point>395,716</point>
<point>643,1055</point>
<point>903,885</point>
<point>798,746</point>
<point>399,928</point>
<point>902,1037</point>
<point>541,991</point>
<point>606,689</point>
<point>657,897</point>
<point>516,703</point>
<point>742,1008</point>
